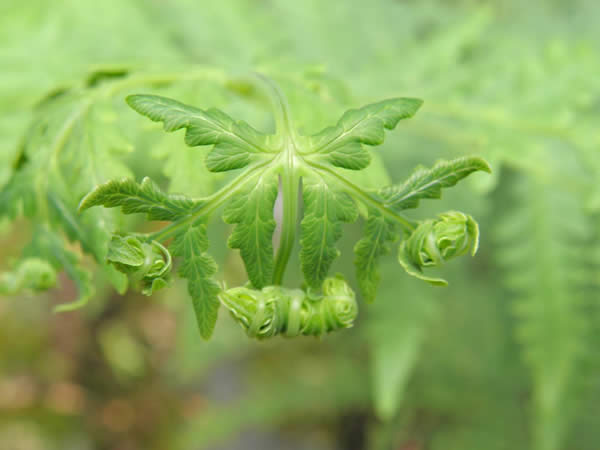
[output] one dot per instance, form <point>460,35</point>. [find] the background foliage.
<point>506,357</point>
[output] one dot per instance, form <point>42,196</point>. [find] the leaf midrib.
<point>428,185</point>
<point>213,123</point>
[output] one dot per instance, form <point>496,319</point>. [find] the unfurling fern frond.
<point>293,166</point>
<point>31,273</point>
<point>436,241</point>
<point>382,227</point>
<point>292,312</point>
<point>148,262</point>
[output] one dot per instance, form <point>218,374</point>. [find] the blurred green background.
<point>506,357</point>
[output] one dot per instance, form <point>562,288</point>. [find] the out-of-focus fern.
<point>545,255</point>
<point>78,138</point>
<point>396,329</point>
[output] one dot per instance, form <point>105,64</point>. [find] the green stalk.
<point>366,198</point>
<point>207,205</point>
<point>290,179</point>
<point>289,184</point>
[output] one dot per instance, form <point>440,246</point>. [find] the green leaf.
<point>88,149</point>
<point>340,145</point>
<point>324,212</point>
<point>139,198</point>
<point>252,212</point>
<point>198,268</point>
<point>236,143</point>
<point>92,231</point>
<point>17,197</point>
<point>393,360</point>
<point>126,251</point>
<point>72,144</point>
<point>379,234</point>
<point>80,276</point>
<point>428,183</point>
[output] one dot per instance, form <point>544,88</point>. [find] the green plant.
<point>504,357</point>
<point>284,162</point>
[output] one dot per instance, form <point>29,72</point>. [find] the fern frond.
<point>543,251</point>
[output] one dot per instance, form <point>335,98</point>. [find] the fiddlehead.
<point>434,242</point>
<point>292,312</point>
<point>148,263</point>
<point>32,273</point>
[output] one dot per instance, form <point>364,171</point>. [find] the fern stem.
<point>365,197</point>
<point>207,205</point>
<point>290,178</point>
<point>284,126</point>
<point>290,188</point>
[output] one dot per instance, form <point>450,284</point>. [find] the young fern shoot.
<point>288,161</point>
